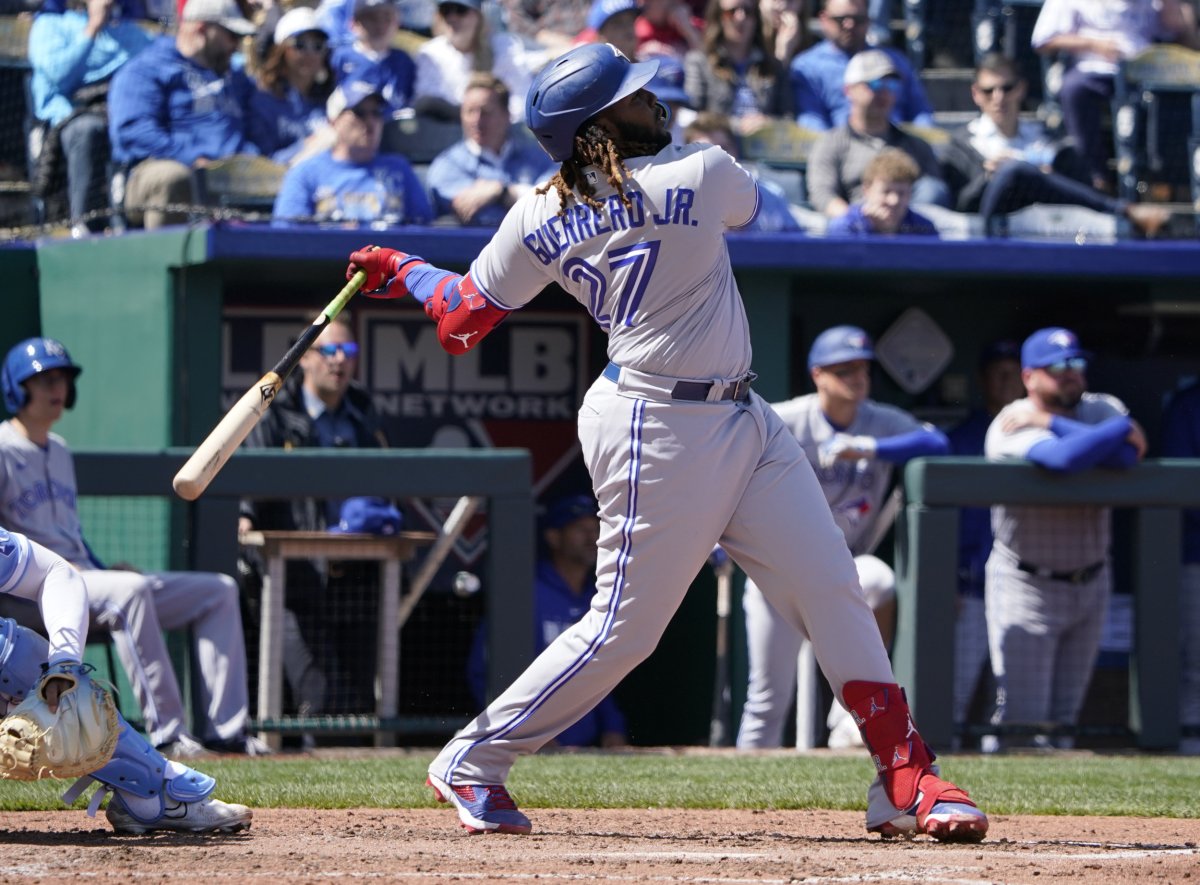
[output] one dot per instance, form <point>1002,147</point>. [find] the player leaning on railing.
<point>682,453</point>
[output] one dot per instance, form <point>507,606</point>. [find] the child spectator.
<point>370,55</point>
<point>612,21</point>
<point>884,209</point>
<point>352,183</point>
<point>287,117</point>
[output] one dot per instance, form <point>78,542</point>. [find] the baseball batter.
<point>682,454</point>
<point>1048,579</point>
<point>149,793</point>
<point>853,443</point>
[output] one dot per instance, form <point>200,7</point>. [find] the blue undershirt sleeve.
<point>422,280</point>
<point>898,449</point>
<point>1083,449</point>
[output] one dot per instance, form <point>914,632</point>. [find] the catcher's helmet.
<point>31,357</point>
<point>576,86</point>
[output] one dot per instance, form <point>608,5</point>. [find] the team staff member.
<point>682,454</point>
<point>38,498</point>
<point>852,443</point>
<point>149,794</point>
<point>1048,579</point>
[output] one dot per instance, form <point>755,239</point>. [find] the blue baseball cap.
<point>350,95</point>
<point>564,511</point>
<point>841,344</point>
<point>667,84</point>
<point>1050,345</point>
<point>603,10</point>
<point>368,516</point>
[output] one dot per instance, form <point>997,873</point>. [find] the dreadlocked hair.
<point>594,146</point>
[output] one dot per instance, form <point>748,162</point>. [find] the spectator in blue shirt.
<point>564,585</point>
<point>287,115</point>
<point>73,55</point>
<point>177,106</point>
<point>884,208</point>
<point>370,56</point>
<point>353,184</point>
<point>818,73</point>
<point>478,179</point>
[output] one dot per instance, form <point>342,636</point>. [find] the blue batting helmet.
<point>32,357</point>
<point>840,344</point>
<point>577,86</point>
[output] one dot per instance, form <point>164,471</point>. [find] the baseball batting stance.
<point>681,452</point>
<point>59,723</point>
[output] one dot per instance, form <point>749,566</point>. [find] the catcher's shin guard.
<point>905,765</point>
<point>139,769</point>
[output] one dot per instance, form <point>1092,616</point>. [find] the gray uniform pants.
<point>136,608</point>
<point>1044,636</point>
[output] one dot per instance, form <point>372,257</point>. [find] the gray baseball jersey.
<point>854,489</point>
<point>1057,538</point>
<point>673,474</point>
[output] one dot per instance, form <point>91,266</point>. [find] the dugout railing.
<point>1155,493</point>
<point>203,534</point>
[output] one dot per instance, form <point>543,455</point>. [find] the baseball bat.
<point>210,456</point>
<point>719,726</point>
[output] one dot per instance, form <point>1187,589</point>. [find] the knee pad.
<point>877,579</point>
<point>22,654</point>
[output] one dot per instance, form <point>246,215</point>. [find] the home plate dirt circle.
<point>649,845</point>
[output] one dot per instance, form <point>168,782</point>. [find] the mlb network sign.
<point>521,388</point>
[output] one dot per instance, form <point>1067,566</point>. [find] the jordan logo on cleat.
<point>463,337</point>
<point>876,709</point>
<point>901,755</point>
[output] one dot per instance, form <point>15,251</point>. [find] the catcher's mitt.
<point>74,741</point>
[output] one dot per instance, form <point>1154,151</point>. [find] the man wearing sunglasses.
<point>1048,580</point>
<point>321,406</point>
<point>818,73</point>
<point>999,163</point>
<point>352,183</point>
<point>841,155</point>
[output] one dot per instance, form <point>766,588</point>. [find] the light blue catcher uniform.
<point>148,791</point>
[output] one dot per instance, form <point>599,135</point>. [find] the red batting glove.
<point>381,267</point>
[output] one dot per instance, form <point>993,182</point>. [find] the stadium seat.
<point>1156,109</point>
<point>420,138</point>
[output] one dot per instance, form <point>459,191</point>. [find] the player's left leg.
<point>1078,649</point>
<point>784,537</point>
<point>206,604</point>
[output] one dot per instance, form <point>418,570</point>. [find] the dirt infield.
<point>661,846</point>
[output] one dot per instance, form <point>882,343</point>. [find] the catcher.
<point>60,724</point>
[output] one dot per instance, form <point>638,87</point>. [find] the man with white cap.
<point>177,106</point>
<point>352,183</point>
<point>818,73</point>
<point>839,157</point>
<point>1048,580</point>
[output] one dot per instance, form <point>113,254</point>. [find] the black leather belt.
<point>1079,576</point>
<point>697,391</point>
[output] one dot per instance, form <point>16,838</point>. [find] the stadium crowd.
<point>146,113</point>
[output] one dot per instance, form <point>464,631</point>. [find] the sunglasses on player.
<point>349,350</point>
<point>1075,364</point>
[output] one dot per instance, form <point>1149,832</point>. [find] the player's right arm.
<point>463,315</point>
